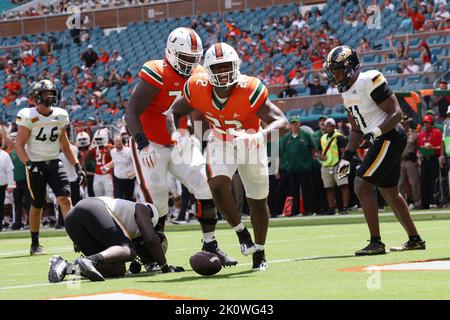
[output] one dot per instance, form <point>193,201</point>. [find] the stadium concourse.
<point>95,70</point>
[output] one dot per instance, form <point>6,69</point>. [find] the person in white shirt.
<point>6,180</point>
<point>442,14</point>
<point>410,67</point>
<point>298,80</point>
<point>20,99</point>
<point>332,89</point>
<point>124,173</point>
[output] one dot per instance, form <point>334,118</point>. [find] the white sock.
<point>259,247</point>
<point>239,227</point>
<point>209,236</point>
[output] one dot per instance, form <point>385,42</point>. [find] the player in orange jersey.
<point>234,104</point>
<point>161,83</point>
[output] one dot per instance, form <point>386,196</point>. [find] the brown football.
<point>205,263</point>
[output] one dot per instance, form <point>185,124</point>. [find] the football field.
<point>309,258</point>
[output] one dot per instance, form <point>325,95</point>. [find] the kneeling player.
<point>375,116</point>
<point>110,232</point>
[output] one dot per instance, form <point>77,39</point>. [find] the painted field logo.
<point>426,265</point>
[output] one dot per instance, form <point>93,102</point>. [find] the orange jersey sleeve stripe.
<point>151,75</point>
<point>258,96</point>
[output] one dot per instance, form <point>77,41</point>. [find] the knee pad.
<point>206,212</point>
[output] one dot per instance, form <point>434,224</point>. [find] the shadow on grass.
<point>345,256</point>
<point>21,256</point>
<point>241,274</point>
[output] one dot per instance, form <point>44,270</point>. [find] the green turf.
<point>303,264</point>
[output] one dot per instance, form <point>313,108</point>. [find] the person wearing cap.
<point>432,114</point>
<point>89,57</point>
<point>296,150</point>
<point>332,146</point>
<point>429,143</point>
<point>409,172</point>
<point>278,76</point>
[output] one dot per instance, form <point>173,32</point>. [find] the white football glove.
<point>181,142</point>
<point>148,156</point>
<point>249,140</point>
<point>343,169</point>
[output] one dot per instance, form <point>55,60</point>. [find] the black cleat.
<point>88,270</point>
<point>374,248</point>
<point>37,250</point>
<point>58,269</point>
<point>225,259</point>
<point>259,261</point>
<point>246,242</point>
<point>418,244</point>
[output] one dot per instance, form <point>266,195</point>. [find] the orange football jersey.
<point>238,112</point>
<point>161,75</point>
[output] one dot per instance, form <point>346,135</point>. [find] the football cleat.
<point>374,248</point>
<point>225,259</point>
<point>37,250</point>
<point>58,269</point>
<point>259,261</point>
<point>152,267</point>
<point>246,242</point>
<point>418,244</point>
<point>88,270</point>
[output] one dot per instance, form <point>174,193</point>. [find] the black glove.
<point>367,140</point>
<point>166,269</point>
<point>80,172</point>
<point>33,167</point>
<point>141,141</point>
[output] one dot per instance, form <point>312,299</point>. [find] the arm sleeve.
<point>23,119</point>
<point>341,142</point>
<point>150,74</point>
<point>378,88</point>
<point>258,96</point>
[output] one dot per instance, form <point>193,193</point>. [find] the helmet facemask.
<point>183,62</point>
<point>50,100</point>
<point>223,79</point>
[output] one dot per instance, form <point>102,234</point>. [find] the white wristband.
<point>377,132</point>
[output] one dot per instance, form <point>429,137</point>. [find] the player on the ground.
<point>375,115</point>
<point>110,232</point>
<point>103,181</point>
<point>234,104</point>
<point>41,134</point>
<point>160,84</point>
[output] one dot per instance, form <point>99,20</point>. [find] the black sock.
<point>415,238</point>
<point>97,259</point>
<point>375,239</point>
<point>34,238</point>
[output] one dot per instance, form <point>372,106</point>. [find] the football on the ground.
<point>205,263</point>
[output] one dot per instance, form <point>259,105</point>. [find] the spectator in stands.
<point>115,58</point>
<point>13,86</point>
<point>299,78</point>
<point>364,45</point>
<point>332,146</point>
<point>444,25</point>
<point>417,18</point>
<point>442,13</point>
<point>89,57</point>
<point>84,36</point>
<point>332,89</point>
<point>264,77</point>
<point>409,174</point>
<point>278,76</point>
<point>28,59</point>
<point>104,56</point>
<point>402,50</point>
<point>10,69</point>
<point>20,98</point>
<point>75,105</point>
<point>297,148</point>
<point>425,57</point>
<point>406,24</point>
<point>315,87</point>
<point>270,24</point>
<point>298,22</point>
<point>410,66</point>
<point>388,5</point>
<point>441,101</point>
<point>288,92</point>
<point>429,143</point>
<point>351,19</point>
<point>112,108</point>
